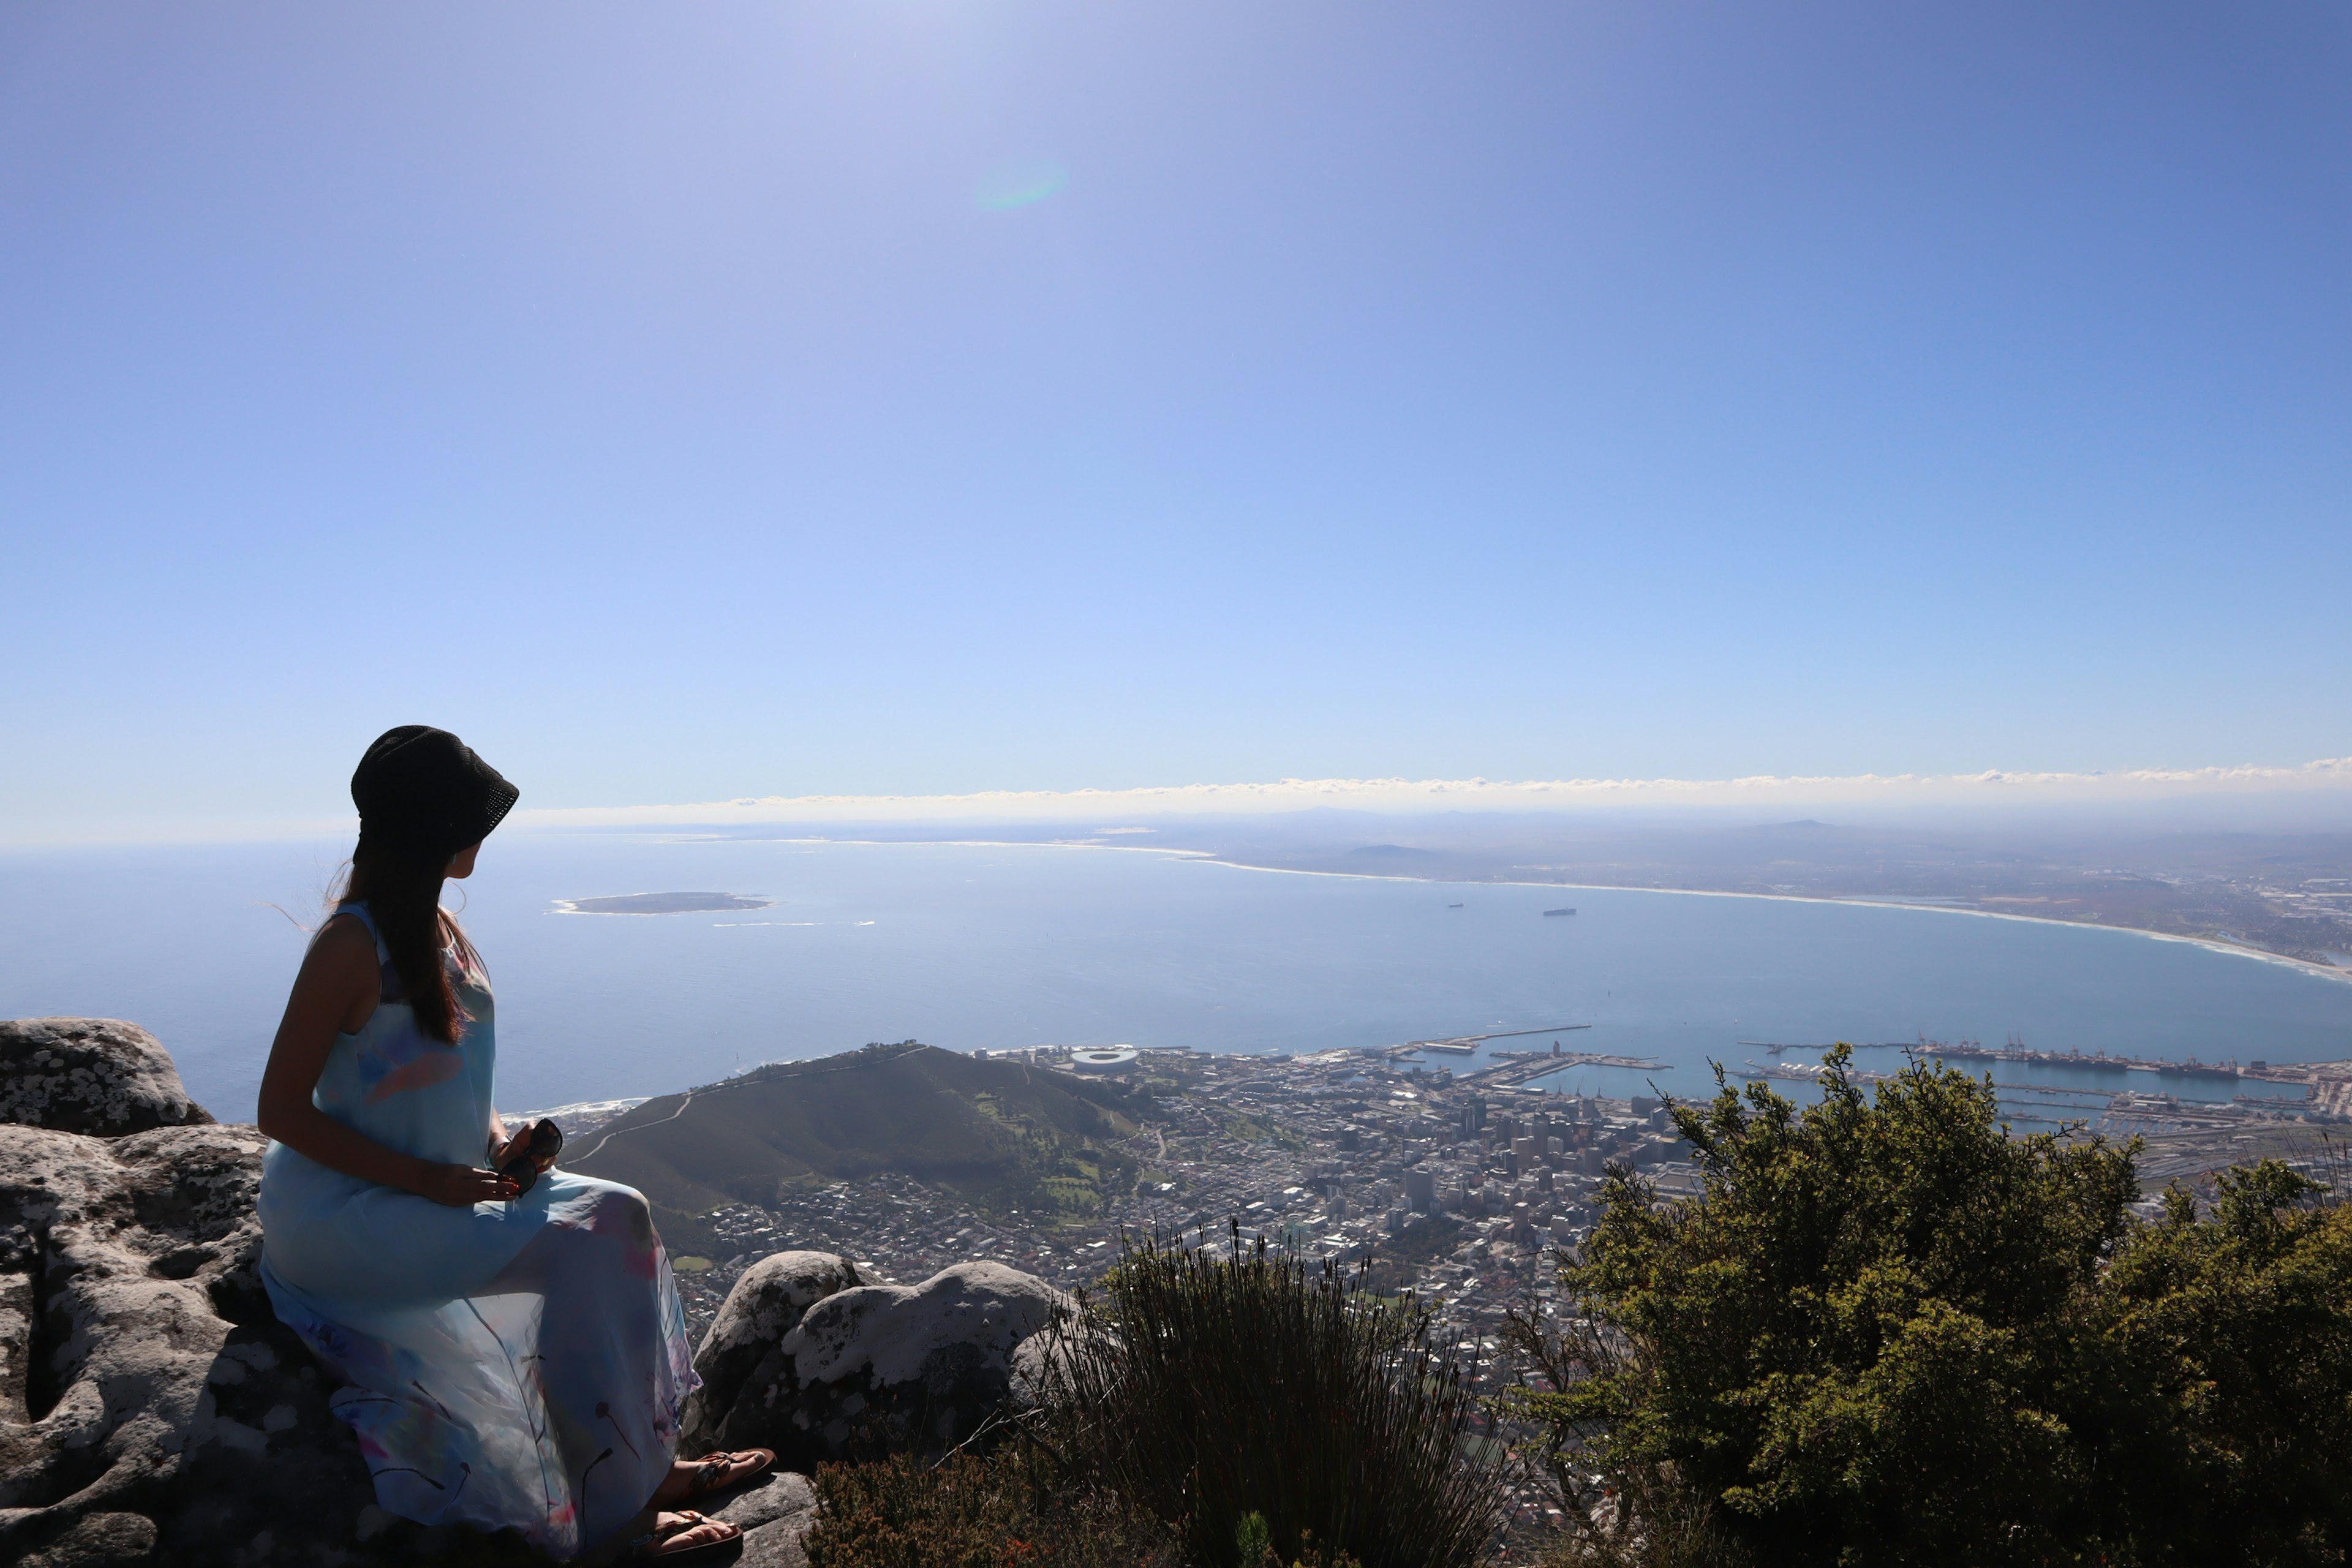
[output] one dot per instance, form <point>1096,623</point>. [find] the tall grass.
<point>1207,1389</point>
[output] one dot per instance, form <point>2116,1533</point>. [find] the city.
<point>1459,1188</point>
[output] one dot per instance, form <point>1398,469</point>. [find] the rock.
<point>775,1513</point>
<point>741,1349</point>
<point>860,1362</point>
<point>779,1495</point>
<point>98,1076</point>
<point>98,1538</point>
<point>156,1412</point>
<point>778,1546</point>
<point>153,1410</point>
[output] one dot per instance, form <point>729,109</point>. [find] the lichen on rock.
<point>98,1076</point>
<point>862,1365</point>
<point>153,1410</point>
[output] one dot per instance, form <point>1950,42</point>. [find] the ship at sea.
<point>1559,912</point>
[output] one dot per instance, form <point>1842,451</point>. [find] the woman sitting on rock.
<point>510,1336</point>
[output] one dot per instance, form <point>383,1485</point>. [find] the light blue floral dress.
<point>512,1364</point>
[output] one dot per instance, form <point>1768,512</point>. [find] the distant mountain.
<point>1394,852</point>
<point>1003,1135</point>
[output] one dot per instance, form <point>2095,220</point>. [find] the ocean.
<point>964,945</point>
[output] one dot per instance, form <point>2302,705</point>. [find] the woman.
<point>513,1358</point>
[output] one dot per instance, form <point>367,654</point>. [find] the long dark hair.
<point>404,894</point>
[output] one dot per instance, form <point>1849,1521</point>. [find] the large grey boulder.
<point>153,1411</point>
<point>862,1364</point>
<point>99,1075</point>
<point>743,1348</point>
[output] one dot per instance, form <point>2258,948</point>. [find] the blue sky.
<point>693,402</point>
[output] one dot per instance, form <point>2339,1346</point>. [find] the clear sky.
<point>693,401</point>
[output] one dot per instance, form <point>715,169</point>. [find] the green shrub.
<point>1890,1333</point>
<point>2236,1332</point>
<point>1206,1391</point>
<point>1254,1547</point>
<point>1253,1541</point>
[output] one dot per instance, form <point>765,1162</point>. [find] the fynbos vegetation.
<point>1207,1390</point>
<point>1889,1332</point>
<point>1019,1507</point>
<point>1217,1413</point>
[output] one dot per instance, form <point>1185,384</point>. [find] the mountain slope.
<point>1001,1134</point>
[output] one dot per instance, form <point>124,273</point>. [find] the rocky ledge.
<point>153,1411</point>
<point>89,1075</point>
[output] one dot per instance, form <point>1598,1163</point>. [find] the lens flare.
<point>1021,185</point>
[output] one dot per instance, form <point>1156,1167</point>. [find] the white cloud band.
<point>1408,795</point>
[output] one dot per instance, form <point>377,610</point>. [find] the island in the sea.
<point>661,904</point>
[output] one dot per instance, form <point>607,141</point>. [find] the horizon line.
<point>1994,785</point>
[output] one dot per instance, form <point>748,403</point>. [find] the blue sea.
<point>966,945</point>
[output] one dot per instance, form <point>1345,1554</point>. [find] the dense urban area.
<point>1455,1187</point>
<point>1459,1186</point>
<point>1463,1183</point>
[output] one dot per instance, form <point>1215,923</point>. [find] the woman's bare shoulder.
<point>337,988</point>
<point>343,946</point>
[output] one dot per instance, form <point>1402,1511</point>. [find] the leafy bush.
<point>1891,1333</point>
<point>2236,1332</point>
<point>1206,1391</point>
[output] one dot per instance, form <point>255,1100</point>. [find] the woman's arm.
<point>339,979</point>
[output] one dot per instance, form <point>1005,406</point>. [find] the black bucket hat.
<point>423,793</point>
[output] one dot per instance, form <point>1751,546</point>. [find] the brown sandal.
<point>647,1548</point>
<point>715,1472</point>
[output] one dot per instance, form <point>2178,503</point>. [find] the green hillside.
<point>1002,1135</point>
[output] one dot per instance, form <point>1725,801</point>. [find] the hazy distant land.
<point>2287,893</point>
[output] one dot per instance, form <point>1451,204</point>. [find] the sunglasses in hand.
<point>531,1150</point>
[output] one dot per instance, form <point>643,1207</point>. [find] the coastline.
<point>2241,949</point>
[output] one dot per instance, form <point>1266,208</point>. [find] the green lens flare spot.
<point>1021,185</point>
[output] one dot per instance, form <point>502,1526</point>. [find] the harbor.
<point>2016,1050</point>
<point>1467,1045</point>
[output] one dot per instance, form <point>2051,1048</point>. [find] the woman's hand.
<point>516,1145</point>
<point>462,1186</point>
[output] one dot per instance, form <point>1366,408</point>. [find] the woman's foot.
<point>711,1473</point>
<point>676,1534</point>
<point>654,1534</point>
